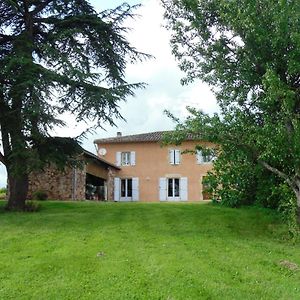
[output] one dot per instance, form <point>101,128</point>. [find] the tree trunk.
<point>18,188</point>
<point>298,204</point>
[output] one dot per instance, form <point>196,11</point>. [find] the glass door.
<point>126,189</point>
<point>173,189</point>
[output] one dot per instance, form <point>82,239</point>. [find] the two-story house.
<point>149,172</point>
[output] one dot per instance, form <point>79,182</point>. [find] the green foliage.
<point>56,58</point>
<point>32,206</point>
<point>146,251</point>
<point>288,208</point>
<point>3,192</point>
<point>40,195</point>
<point>249,52</point>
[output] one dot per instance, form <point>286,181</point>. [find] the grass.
<point>145,251</point>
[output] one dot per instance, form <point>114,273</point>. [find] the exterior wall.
<point>152,162</point>
<point>59,185</point>
<point>96,171</point>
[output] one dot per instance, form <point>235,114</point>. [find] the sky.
<point>145,112</point>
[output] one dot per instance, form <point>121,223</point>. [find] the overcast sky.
<point>144,112</point>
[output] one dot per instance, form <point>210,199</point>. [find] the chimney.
<point>119,134</point>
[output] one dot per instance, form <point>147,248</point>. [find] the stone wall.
<point>59,185</point>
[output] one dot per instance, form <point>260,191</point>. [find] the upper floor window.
<point>205,156</point>
<point>125,158</point>
<point>174,156</point>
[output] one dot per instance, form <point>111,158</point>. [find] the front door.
<point>173,189</point>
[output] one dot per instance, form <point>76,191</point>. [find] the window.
<point>173,187</point>
<point>205,189</point>
<point>174,156</point>
<point>126,188</point>
<point>126,158</point>
<point>205,156</point>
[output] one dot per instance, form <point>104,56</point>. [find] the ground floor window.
<point>205,189</point>
<point>126,188</point>
<point>173,188</point>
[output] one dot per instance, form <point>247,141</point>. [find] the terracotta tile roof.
<point>156,136</point>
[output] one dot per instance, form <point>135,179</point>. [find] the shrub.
<point>288,209</point>
<point>39,195</point>
<point>3,193</point>
<point>32,206</point>
<point>3,190</point>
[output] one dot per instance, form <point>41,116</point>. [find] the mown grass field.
<point>146,251</point>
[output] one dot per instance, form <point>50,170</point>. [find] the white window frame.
<point>164,189</point>
<point>173,197</point>
<point>126,197</point>
<point>204,159</point>
<point>174,156</point>
<point>134,189</point>
<point>125,158</point>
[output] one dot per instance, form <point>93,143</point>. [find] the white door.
<point>173,189</point>
<point>126,189</point>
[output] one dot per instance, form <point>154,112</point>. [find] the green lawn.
<point>145,251</point>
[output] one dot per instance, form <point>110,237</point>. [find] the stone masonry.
<point>59,185</point>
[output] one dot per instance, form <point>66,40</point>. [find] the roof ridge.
<point>154,136</point>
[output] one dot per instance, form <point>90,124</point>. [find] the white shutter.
<point>132,158</point>
<point>117,185</point>
<point>118,158</point>
<point>135,189</point>
<point>171,157</point>
<point>183,189</point>
<point>162,189</point>
<point>177,157</point>
<point>199,157</point>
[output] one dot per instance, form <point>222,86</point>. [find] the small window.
<point>205,156</point>
<point>125,158</point>
<point>174,156</point>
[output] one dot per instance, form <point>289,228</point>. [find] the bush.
<point>3,193</point>
<point>32,206</point>
<point>3,190</point>
<point>288,209</point>
<point>40,195</point>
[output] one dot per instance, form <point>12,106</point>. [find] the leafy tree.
<point>57,57</point>
<point>249,52</point>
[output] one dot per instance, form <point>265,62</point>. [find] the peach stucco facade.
<point>152,167</point>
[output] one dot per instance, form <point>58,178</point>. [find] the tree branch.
<point>40,7</point>
<point>5,38</point>
<point>2,159</point>
<point>278,172</point>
